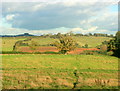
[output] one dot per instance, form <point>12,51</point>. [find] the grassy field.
<point>43,71</point>
<point>32,71</point>
<point>8,42</point>
<point>92,41</point>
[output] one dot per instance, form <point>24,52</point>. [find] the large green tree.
<point>65,44</point>
<point>117,45</point>
<point>114,45</point>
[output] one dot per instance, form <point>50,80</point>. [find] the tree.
<point>65,44</point>
<point>114,45</point>
<point>117,45</point>
<point>59,35</point>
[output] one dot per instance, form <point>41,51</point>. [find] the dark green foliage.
<point>14,52</point>
<point>117,45</point>
<point>114,45</point>
<point>17,52</point>
<point>88,52</point>
<point>100,34</point>
<point>50,52</point>
<point>111,45</point>
<point>78,34</point>
<point>94,52</point>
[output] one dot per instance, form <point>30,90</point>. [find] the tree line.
<point>112,45</point>
<point>77,34</point>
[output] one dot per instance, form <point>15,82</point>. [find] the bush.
<point>50,52</point>
<point>103,48</point>
<point>110,53</point>
<point>86,45</point>
<point>93,52</point>
<point>90,52</point>
<point>16,52</point>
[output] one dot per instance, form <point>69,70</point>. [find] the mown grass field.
<point>8,42</point>
<point>30,71</point>
<point>57,71</point>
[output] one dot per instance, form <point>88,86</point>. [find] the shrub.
<point>93,52</point>
<point>90,52</point>
<point>86,45</point>
<point>103,49</point>
<point>110,53</point>
<point>14,52</point>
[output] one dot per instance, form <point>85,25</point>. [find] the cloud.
<point>47,16</point>
<point>60,1</point>
<point>14,31</point>
<point>90,30</point>
<point>10,17</point>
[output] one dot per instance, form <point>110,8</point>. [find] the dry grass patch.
<point>44,79</point>
<point>97,82</point>
<point>63,82</point>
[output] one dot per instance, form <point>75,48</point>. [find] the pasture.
<point>92,41</point>
<point>58,71</point>
<point>30,71</point>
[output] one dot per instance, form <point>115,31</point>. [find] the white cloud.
<point>38,6</point>
<point>69,4</point>
<point>46,17</point>
<point>81,30</point>
<point>10,17</point>
<point>60,0</point>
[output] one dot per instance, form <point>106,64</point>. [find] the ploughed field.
<point>54,49</point>
<point>35,71</point>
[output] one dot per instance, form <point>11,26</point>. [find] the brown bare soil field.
<point>54,49</point>
<point>80,50</point>
<point>39,49</point>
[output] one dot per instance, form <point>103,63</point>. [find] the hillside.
<point>8,42</point>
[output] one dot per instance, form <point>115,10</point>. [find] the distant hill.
<point>25,34</point>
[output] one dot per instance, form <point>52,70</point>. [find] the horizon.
<point>51,34</point>
<point>59,17</point>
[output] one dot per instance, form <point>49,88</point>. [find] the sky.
<point>59,16</point>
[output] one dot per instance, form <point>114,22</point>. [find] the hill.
<point>8,42</point>
<point>25,34</point>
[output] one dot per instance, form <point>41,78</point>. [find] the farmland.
<point>58,71</point>
<point>8,42</point>
<point>32,71</point>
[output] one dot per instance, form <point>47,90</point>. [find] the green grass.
<point>30,71</point>
<point>35,71</point>
<point>8,42</point>
<point>92,41</point>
